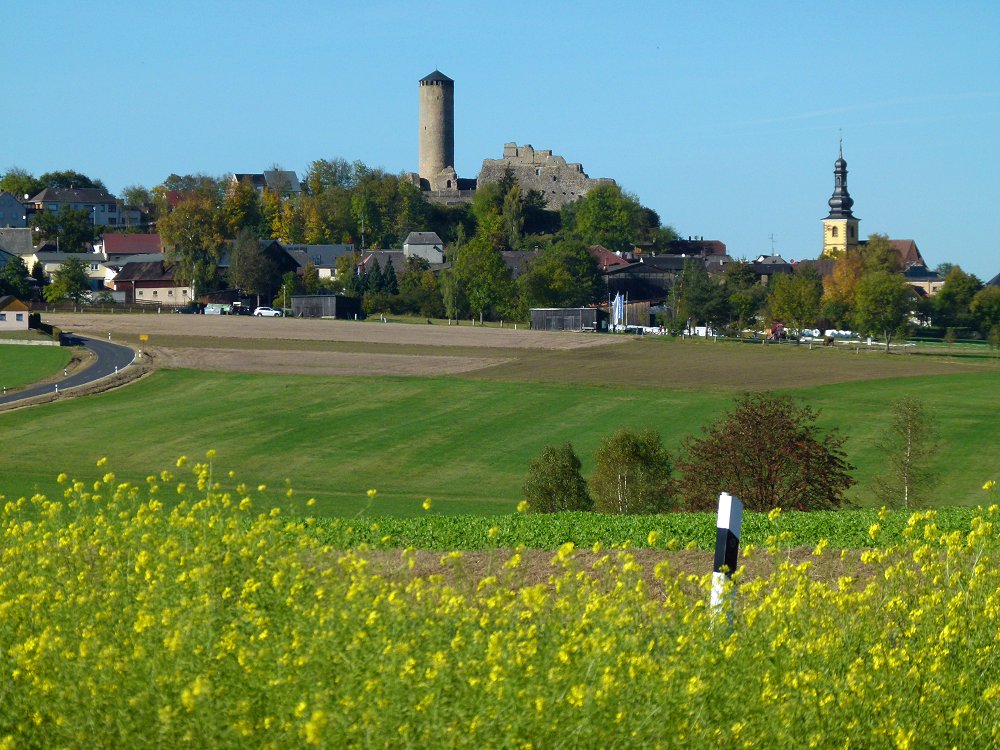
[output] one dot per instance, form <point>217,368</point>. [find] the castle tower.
<point>437,131</point>
<point>840,228</point>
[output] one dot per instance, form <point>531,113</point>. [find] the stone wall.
<point>560,182</point>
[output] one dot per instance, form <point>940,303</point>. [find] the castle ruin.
<point>560,182</point>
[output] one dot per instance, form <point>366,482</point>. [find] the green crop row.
<point>845,529</point>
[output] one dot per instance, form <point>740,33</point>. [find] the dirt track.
<point>262,357</point>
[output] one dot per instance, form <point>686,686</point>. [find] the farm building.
<point>326,306</point>
<point>569,319</point>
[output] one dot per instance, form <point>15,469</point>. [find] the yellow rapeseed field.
<point>180,614</point>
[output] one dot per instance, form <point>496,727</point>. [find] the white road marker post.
<point>727,545</point>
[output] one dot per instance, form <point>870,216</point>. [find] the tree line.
<point>865,292</point>
<point>767,450</point>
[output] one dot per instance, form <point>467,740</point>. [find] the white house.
<point>426,245</point>
<point>13,314</point>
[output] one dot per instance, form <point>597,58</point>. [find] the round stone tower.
<point>437,129</point>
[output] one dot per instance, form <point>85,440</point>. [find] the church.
<point>841,234</point>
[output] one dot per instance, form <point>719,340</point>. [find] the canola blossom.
<point>134,616</point>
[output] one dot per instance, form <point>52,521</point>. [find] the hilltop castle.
<point>560,182</point>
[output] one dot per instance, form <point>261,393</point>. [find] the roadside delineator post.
<point>727,545</point>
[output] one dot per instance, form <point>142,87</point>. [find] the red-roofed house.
<point>116,244</point>
<point>606,259</point>
<point>908,253</point>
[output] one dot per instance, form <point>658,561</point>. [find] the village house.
<point>13,314</point>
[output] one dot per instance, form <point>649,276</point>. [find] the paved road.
<point>108,357</point>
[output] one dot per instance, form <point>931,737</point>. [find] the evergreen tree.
<point>390,284</point>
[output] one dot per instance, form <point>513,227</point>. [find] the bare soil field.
<point>347,348</point>
<point>318,347</point>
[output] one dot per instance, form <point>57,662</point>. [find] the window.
<point>155,292</point>
<point>142,293</point>
<point>833,231</point>
<point>851,231</point>
<point>19,317</point>
<point>170,292</point>
<point>538,171</point>
<point>3,317</point>
<point>93,266</point>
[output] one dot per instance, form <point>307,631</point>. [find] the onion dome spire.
<point>841,201</point>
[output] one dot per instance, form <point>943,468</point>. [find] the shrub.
<point>554,482</point>
<point>631,473</point>
<point>768,452</point>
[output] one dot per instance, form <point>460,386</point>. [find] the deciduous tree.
<point>631,473</point>
<point>193,238</point>
<point>908,445</point>
<point>565,275</point>
<point>882,303</point>
<point>14,278</point>
<point>554,482</point>
<point>70,281</point>
<point>794,299</point>
<point>768,452</point>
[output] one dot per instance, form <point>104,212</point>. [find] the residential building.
<point>926,282</point>
<point>17,240</point>
<point>115,245</point>
<point>52,260</point>
<point>323,257</point>
<point>12,212</point>
<point>426,245</point>
<point>151,282</point>
<point>104,208</point>
<point>13,314</point>
<point>280,181</point>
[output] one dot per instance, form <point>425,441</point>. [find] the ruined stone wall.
<point>560,182</point>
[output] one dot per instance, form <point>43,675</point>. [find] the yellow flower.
<point>181,461</point>
<point>493,532</point>
<point>372,494</point>
<point>989,485</point>
<point>102,461</point>
<point>773,515</point>
<point>210,454</point>
<point>311,502</point>
<point>427,504</point>
<point>873,530</point>
<point>652,538</point>
<point>522,507</point>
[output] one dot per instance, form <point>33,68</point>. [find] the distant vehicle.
<point>267,312</point>
<point>238,309</point>
<point>192,309</point>
<point>216,309</point>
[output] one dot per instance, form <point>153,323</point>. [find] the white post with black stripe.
<point>727,545</point>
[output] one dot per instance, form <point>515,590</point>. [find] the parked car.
<point>193,309</point>
<point>238,309</point>
<point>267,312</point>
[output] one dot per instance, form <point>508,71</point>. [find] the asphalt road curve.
<point>108,357</point>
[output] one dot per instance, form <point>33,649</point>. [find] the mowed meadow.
<point>465,440</point>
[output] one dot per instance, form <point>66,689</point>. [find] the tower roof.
<point>841,201</point>
<point>436,77</point>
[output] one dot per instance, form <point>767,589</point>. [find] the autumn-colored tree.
<point>768,452</point>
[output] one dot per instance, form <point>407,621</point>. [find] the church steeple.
<point>840,227</point>
<point>841,201</point>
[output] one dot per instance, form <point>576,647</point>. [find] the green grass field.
<point>21,365</point>
<point>465,443</point>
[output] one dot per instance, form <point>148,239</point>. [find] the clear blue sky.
<point>724,117</point>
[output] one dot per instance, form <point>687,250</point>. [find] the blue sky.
<point>724,117</point>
